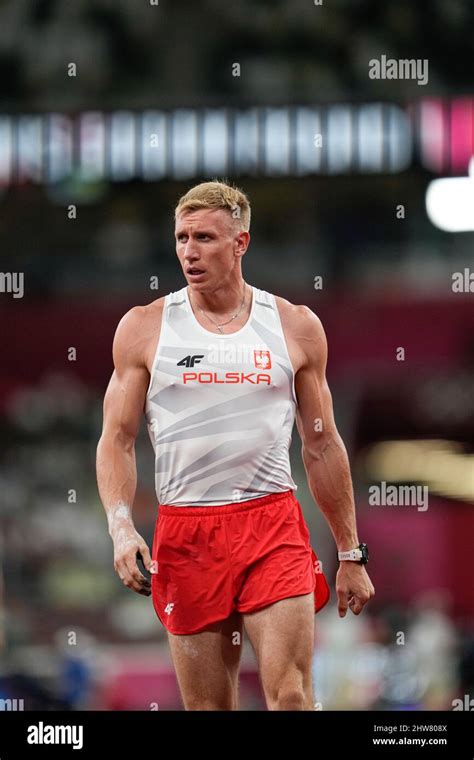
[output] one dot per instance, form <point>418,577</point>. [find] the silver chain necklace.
<point>222,324</point>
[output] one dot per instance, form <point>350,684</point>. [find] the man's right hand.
<point>127,543</point>
<point>124,403</point>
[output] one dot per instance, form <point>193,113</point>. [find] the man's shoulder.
<point>137,334</point>
<point>142,314</point>
<point>304,333</point>
<point>298,318</point>
<point>138,326</point>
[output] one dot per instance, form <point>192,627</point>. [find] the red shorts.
<point>243,556</point>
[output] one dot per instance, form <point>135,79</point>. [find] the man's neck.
<point>222,300</point>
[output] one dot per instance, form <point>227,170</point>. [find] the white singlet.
<point>220,408</point>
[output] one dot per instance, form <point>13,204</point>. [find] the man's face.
<point>209,246</point>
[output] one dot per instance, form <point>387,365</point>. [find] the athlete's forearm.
<point>117,481</point>
<point>329,480</point>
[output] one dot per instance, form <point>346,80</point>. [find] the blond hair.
<point>214,195</point>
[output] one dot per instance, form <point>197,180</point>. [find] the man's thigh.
<point>282,636</point>
<point>207,665</point>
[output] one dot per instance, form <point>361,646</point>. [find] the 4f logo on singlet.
<point>190,361</point>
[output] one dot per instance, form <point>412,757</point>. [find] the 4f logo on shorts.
<point>169,608</point>
<point>262,359</point>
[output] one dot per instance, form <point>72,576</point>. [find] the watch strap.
<point>355,555</point>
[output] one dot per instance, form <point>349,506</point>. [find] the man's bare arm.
<point>325,457</point>
<point>116,465</point>
<point>323,451</point>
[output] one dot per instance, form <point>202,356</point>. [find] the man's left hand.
<point>353,587</point>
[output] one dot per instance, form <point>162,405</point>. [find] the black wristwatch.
<point>360,555</point>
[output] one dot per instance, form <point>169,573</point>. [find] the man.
<point>221,369</point>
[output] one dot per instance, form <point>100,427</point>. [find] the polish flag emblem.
<point>262,359</point>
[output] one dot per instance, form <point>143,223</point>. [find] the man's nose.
<point>191,250</point>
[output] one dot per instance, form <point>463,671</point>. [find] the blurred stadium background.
<point>92,161</point>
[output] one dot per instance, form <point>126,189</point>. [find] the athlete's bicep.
<point>125,396</point>
<point>314,414</point>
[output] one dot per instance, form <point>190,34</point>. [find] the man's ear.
<point>243,240</point>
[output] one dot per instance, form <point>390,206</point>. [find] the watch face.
<point>365,553</point>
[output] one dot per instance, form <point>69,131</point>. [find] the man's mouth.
<point>195,270</point>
